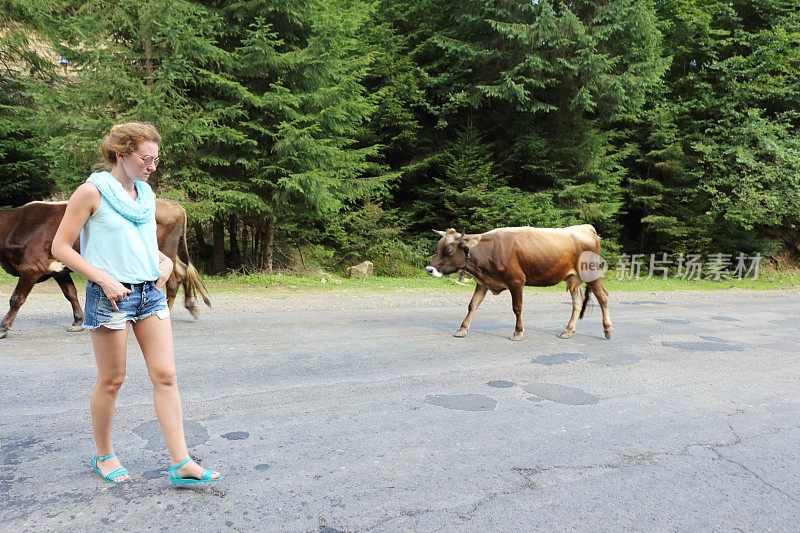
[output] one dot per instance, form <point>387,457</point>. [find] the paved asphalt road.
<point>348,412</point>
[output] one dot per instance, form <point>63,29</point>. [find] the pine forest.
<point>302,134</point>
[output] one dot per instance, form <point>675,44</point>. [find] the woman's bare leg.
<point>109,347</point>
<point>155,339</point>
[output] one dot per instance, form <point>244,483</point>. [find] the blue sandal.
<point>178,481</point>
<point>119,472</point>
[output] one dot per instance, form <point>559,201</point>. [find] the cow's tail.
<point>192,283</point>
<point>585,301</point>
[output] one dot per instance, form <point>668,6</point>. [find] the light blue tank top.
<point>125,250</point>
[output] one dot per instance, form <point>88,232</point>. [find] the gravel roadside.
<point>269,299</point>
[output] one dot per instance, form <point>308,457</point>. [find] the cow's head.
<point>452,252</point>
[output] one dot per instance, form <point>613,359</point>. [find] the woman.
<point>114,214</point>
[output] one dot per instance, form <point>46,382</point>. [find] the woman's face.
<point>142,162</point>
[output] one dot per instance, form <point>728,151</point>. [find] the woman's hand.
<point>114,290</point>
<point>165,266</point>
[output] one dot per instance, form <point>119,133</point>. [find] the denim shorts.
<point>143,301</point>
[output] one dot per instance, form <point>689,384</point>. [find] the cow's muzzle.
<point>433,272</point>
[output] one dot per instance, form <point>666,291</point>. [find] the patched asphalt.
<point>361,412</point>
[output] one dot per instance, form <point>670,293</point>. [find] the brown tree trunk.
<point>218,255</point>
<point>233,241</point>
<point>258,250</point>
<point>247,252</point>
<point>269,243</point>
<point>199,235</point>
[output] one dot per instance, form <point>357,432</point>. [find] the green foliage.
<point>316,163</point>
<point>307,154</point>
<point>319,133</point>
<point>24,68</point>
<point>468,194</point>
<point>23,166</point>
<point>371,233</point>
<point>722,147</point>
<point>753,172</point>
<point>150,61</point>
<point>395,87</point>
<point>555,87</point>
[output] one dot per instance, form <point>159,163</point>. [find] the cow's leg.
<point>172,289</point>
<point>181,278</point>
<point>477,298</point>
<point>602,298</point>
<point>574,286</point>
<point>18,297</point>
<point>64,281</point>
<point>191,305</point>
<point>188,300</point>
<point>516,305</point>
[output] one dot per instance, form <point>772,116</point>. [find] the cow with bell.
<point>511,258</point>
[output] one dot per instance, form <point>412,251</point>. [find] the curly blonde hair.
<point>125,138</point>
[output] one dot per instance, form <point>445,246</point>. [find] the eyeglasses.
<point>149,160</point>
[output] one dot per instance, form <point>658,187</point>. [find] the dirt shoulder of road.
<point>249,297</point>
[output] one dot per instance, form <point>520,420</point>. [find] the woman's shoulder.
<point>86,193</point>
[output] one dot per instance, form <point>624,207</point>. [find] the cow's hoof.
<point>460,333</point>
<point>75,329</point>
<point>566,334</point>
<point>516,336</point>
<point>608,332</point>
<point>3,334</point>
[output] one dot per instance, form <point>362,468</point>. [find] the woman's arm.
<point>83,203</point>
<point>165,266</point>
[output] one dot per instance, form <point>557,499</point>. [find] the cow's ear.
<point>437,232</point>
<point>470,241</point>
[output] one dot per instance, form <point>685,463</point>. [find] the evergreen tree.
<point>24,69</point>
<point>149,61</point>
<point>395,85</point>
<point>554,85</point>
<point>23,166</point>
<point>287,124</point>
<point>469,195</point>
<point>308,155</point>
<point>666,212</point>
<point>731,93</point>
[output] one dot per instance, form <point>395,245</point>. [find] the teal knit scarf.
<point>137,211</point>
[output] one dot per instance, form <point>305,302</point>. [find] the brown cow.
<point>26,235</point>
<point>511,258</point>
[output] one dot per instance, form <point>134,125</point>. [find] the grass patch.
<point>327,282</point>
<point>768,280</point>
